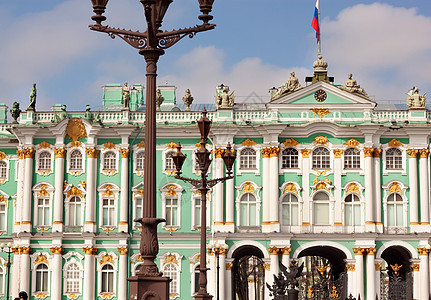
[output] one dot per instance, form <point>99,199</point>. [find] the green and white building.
<point>320,171</point>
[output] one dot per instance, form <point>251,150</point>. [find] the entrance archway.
<point>248,276</point>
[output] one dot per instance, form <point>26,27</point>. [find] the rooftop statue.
<point>33,94</point>
<point>224,99</point>
<point>61,116</point>
<point>353,87</point>
<point>415,100</point>
<point>125,90</point>
<point>291,85</point>
<point>188,99</point>
<point>88,115</point>
<point>159,99</point>
<point>15,112</point>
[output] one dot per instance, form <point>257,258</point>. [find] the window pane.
<point>357,214</point>
<point>286,214</point>
<point>391,215</point>
<point>348,215</point>
<point>399,215</point>
<point>295,214</point>
<point>243,215</point>
<point>321,213</point>
<point>253,219</point>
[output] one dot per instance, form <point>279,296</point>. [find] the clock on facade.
<point>320,95</point>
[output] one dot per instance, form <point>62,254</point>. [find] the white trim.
<point>386,194</point>
<point>33,267</point>
<point>239,148</point>
<point>280,160</point>
<point>100,265</point>
<point>3,272</point>
<point>328,147</point>
<point>103,151</point>
<point>67,205</point>
<point>360,170</point>
<point>136,150</point>
<point>164,153</point>
<point>40,150</point>
<point>397,243</point>
<point>37,189</point>
<point>239,192</point>
<point>320,244</point>
<point>6,179</point>
<point>331,203</point>
<point>73,258</point>
<point>403,171</point>
<point>247,243</point>
<point>178,258</point>
<point>195,194</point>
<point>70,149</point>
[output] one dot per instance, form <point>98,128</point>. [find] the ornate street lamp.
<point>203,185</point>
<point>9,251</point>
<point>151,43</point>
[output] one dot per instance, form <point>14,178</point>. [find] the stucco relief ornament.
<point>223,99</point>
<point>188,100</point>
<point>415,100</point>
<point>353,87</point>
<point>15,112</point>
<point>159,99</point>
<point>75,129</point>
<point>291,85</point>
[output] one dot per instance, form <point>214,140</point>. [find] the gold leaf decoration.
<point>106,259</point>
<point>171,190</point>
<point>321,140</point>
<point>321,186</point>
<point>170,259</point>
<point>75,143</point>
<point>75,129</point>
<point>305,153</point>
<point>248,143</point>
<point>337,153</point>
<point>82,182</point>
<point>290,142</point>
<point>108,192</point>
<point>41,259</point>
<point>248,188</point>
<point>92,152</point>
<point>109,145</point>
<point>290,188</point>
<point>74,191</point>
<point>321,112</point>
<point>43,192</point>
<point>352,143</point>
<point>171,145</point>
<point>395,188</point>
<point>59,152</point>
<point>141,144</point>
<point>353,188</point>
<point>2,155</point>
<point>395,143</point>
<point>44,145</point>
<point>125,152</point>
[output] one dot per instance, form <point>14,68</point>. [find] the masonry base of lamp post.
<point>142,287</point>
<point>203,296</point>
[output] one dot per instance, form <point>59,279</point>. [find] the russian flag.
<point>315,22</point>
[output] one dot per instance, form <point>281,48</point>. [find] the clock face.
<point>320,95</point>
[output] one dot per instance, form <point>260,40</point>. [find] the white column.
<point>378,267</point>
<point>228,279</point>
<point>338,220</point>
<point>268,277</point>
<point>413,186</point>
<point>57,224</point>
<point>124,198</point>
<point>359,272</point>
<point>285,257</point>
<point>89,273</point>
<point>274,189</point>
<point>230,203</point>
<point>416,279</point>
<point>90,216</point>
<point>273,254</point>
<point>57,276</point>
<point>218,190</point>
<point>265,191</point>
<point>369,192</point>
<point>24,282</point>
<point>15,278</point>
<point>350,266</point>
<point>222,281</point>
<point>377,188</point>
<point>424,186</point>
<point>27,189</point>
<point>371,273</point>
<point>306,187</point>
<point>19,194</point>
<point>122,273</point>
<point>424,273</point>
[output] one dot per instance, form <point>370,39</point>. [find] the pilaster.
<point>122,273</point>
<point>124,195</point>
<point>369,192</point>
<point>89,291</point>
<point>218,191</point>
<point>19,198</point>
<point>90,216</point>
<point>24,282</point>
<point>57,224</point>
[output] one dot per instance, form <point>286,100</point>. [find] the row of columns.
<point>21,272</point>
<point>25,185</point>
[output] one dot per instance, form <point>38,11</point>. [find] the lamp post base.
<point>203,296</point>
<point>142,287</point>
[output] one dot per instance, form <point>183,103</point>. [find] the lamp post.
<point>9,252</point>
<point>218,250</point>
<point>203,185</point>
<point>151,44</point>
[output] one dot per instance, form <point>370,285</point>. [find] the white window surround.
<point>69,192</point>
<point>195,218</point>
<point>44,147</point>
<point>70,148</point>
<point>37,259</point>
<point>136,153</point>
<point>330,201</point>
<point>106,258</point>
<point>361,159</point>
<point>403,149</point>
<point>395,186</point>
<point>239,148</point>
<point>166,170</point>
<point>138,191</point>
<point>175,259</point>
<point>135,261</point>
<point>314,154</point>
<point>194,266</point>
<point>174,190</point>
<point>4,198</point>
<point>356,189</point>
<point>72,258</point>
<point>108,191</point>
<point>280,160</point>
<point>42,190</point>
<point>291,187</point>
<point>6,178</point>
<point>114,148</point>
<point>251,188</point>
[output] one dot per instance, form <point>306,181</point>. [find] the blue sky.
<point>256,43</point>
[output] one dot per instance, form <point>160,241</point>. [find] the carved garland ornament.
<point>395,143</point>
<point>413,153</point>
<point>41,259</point>
<point>109,145</point>
<point>44,145</point>
<point>290,188</point>
<point>321,112</point>
<point>28,153</point>
<point>321,140</point>
<point>170,259</point>
<point>369,152</point>
<point>248,143</point>
<point>3,155</point>
<point>352,143</point>
<point>290,142</point>
<point>123,250</point>
<point>74,191</point>
<point>377,152</point>
<point>141,144</point>
<point>305,153</point>
<point>353,188</point>
<point>106,259</point>
<point>108,191</point>
<point>76,143</point>
<point>20,154</point>
<point>423,153</point>
<point>171,190</point>
<point>75,129</point>
<point>43,192</point>
<point>395,188</point>
<point>248,188</point>
<point>219,152</point>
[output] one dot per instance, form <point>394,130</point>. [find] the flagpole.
<point>319,44</point>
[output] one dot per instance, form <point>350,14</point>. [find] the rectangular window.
<point>138,208</point>
<point>197,212</point>
<point>2,217</point>
<point>43,212</point>
<point>171,211</point>
<point>321,214</point>
<point>108,212</point>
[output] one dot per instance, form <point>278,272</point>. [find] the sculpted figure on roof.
<point>224,99</point>
<point>290,86</point>
<point>159,99</point>
<point>125,90</point>
<point>415,100</point>
<point>353,87</point>
<point>33,94</point>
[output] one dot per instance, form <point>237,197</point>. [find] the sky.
<point>255,45</point>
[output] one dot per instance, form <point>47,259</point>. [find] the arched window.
<point>352,210</point>
<point>42,278</point>
<point>171,270</point>
<point>248,210</point>
<point>73,279</point>
<point>290,210</point>
<point>394,159</point>
<point>321,209</point>
<point>107,279</point>
<point>45,160</point>
<point>3,170</point>
<point>169,162</point>
<point>140,158</point>
<point>3,220</point>
<point>321,158</point>
<point>76,160</point>
<point>109,161</point>
<point>171,211</point>
<point>289,158</point>
<point>75,206</point>
<point>247,159</point>
<point>395,208</point>
<point>352,158</point>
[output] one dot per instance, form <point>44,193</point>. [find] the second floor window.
<point>45,161</point>
<point>76,160</point>
<point>109,161</point>
<point>171,211</point>
<point>43,211</point>
<point>289,158</point>
<point>321,159</point>
<point>169,162</point>
<point>352,210</point>
<point>140,157</point>
<point>352,158</point>
<point>394,159</point>
<point>108,210</point>
<point>3,170</point>
<point>395,208</point>
<point>247,159</point>
<point>75,218</point>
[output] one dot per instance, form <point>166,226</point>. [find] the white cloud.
<point>386,48</point>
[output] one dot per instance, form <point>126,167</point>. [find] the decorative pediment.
<point>248,143</point>
<point>352,143</point>
<point>395,143</point>
<point>290,142</point>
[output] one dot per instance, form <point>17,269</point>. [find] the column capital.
<point>89,250</point>
<point>415,267</point>
<point>377,152</point>
<point>92,152</point>
<point>218,152</point>
<point>123,250</point>
<point>413,153</point>
<point>124,152</point>
<point>20,154</point>
<point>337,153</point>
<point>350,267</point>
<point>359,251</point>
<point>267,267</point>
<point>273,250</point>
<point>285,250</point>
<point>274,151</point>
<point>265,152</point>
<point>25,250</point>
<point>423,251</point>
<point>229,266</point>
<point>28,152</point>
<point>368,151</point>
<point>305,153</point>
<point>57,250</point>
<point>59,152</point>
<point>370,251</point>
<point>423,153</point>
<point>378,266</point>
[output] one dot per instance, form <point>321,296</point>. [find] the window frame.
<point>70,258</point>
<point>389,188</point>
<point>136,149</point>
<point>353,204</point>
<point>254,189</point>
<point>111,260</point>
<point>171,190</point>
<point>329,202</point>
<point>70,149</point>
<point>42,190</point>
<point>37,259</point>
<point>282,155</point>
<point>41,149</point>
<point>289,204</point>
<point>196,218</point>
<point>329,159</point>
<point>4,178</point>
<point>4,201</point>
<point>240,147</point>
<point>172,259</point>
<point>108,191</point>
<point>404,159</point>
<point>352,157</point>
